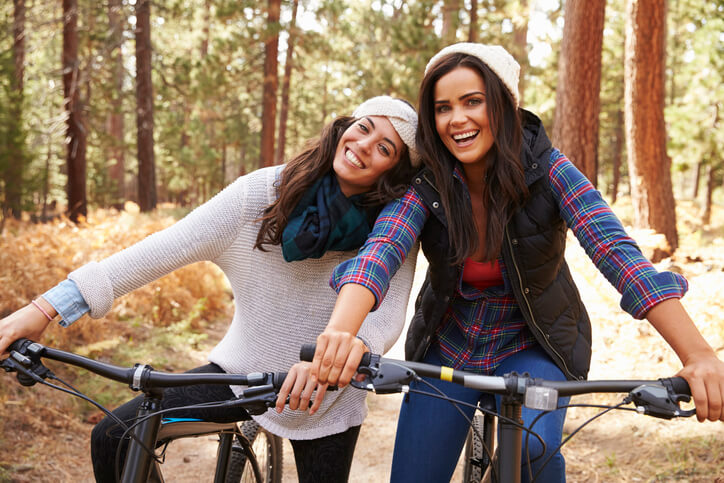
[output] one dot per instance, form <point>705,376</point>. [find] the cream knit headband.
<point>494,56</point>
<point>401,115</point>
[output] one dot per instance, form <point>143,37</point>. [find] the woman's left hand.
<point>704,372</point>
<point>300,386</point>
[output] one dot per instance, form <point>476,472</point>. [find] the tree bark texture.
<point>450,21</point>
<point>271,82</point>
<point>144,108</point>
<point>473,32</point>
<point>617,151</point>
<point>286,82</point>
<point>644,92</point>
<point>575,125</point>
<point>13,172</point>
<point>76,133</point>
<point>520,44</point>
<point>115,124</point>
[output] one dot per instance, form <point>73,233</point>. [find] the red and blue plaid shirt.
<point>481,328</point>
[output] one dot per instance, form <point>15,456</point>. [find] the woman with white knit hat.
<point>277,234</point>
<point>492,208</point>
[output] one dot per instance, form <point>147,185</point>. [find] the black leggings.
<point>318,460</point>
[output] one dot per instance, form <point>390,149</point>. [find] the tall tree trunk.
<point>76,133</point>
<point>520,43</point>
<point>473,32</point>
<point>617,151</point>
<point>644,91</point>
<point>575,126</point>
<point>271,81</point>
<point>114,122</point>
<point>697,180</point>
<point>206,29</point>
<point>710,185</point>
<point>450,21</point>
<point>284,112</point>
<point>13,172</point>
<point>144,108</point>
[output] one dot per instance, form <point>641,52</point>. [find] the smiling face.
<point>461,116</point>
<point>367,149</point>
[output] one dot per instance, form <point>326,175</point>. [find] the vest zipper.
<point>530,310</point>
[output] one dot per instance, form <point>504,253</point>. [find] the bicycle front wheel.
<point>267,451</point>
<point>476,460</point>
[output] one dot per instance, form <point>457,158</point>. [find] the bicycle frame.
<point>659,398</point>
<point>25,359</point>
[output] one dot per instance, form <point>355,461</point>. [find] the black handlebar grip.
<point>278,379</point>
<point>678,385</point>
<point>20,345</point>
<point>306,353</point>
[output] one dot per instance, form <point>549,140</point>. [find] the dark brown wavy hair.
<point>504,189</point>
<point>311,164</point>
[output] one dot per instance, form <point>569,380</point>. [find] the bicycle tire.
<point>268,450</point>
<point>476,460</point>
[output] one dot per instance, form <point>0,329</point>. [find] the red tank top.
<point>482,275</point>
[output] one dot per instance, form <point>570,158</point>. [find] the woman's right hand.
<point>337,357</point>
<point>28,322</point>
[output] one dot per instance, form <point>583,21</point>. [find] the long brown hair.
<point>504,189</point>
<point>315,161</point>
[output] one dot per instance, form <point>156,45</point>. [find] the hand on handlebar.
<point>27,322</point>
<point>337,357</point>
<point>299,386</point>
<point>705,374</point>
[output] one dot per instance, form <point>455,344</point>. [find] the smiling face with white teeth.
<point>367,149</point>
<point>461,116</point>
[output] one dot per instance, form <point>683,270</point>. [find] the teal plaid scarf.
<point>325,219</point>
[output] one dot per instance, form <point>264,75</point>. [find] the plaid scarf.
<point>325,219</point>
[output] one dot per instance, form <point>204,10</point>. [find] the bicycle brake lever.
<point>656,401</point>
<point>385,378</point>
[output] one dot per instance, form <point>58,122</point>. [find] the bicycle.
<point>658,398</point>
<point>245,452</point>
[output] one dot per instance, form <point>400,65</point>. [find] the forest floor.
<point>44,435</point>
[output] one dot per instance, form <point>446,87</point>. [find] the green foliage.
<point>208,78</point>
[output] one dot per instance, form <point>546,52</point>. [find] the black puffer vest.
<point>533,252</point>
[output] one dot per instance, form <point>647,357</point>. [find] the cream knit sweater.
<point>278,305</point>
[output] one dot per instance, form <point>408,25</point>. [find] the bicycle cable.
<point>575,431</point>
<point>454,403</point>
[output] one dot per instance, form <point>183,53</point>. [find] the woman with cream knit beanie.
<point>492,208</point>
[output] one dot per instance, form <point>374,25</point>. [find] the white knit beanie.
<point>494,56</point>
<point>401,115</point>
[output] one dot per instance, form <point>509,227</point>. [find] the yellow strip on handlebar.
<point>446,373</point>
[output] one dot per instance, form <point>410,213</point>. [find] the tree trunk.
<point>271,81</point>
<point>575,126</point>
<point>644,91</point>
<point>13,172</point>
<point>144,108</point>
<point>697,180</point>
<point>473,32</point>
<point>117,168</point>
<point>617,151</point>
<point>710,185</point>
<point>450,21</point>
<point>76,133</point>
<point>520,44</point>
<point>284,112</point>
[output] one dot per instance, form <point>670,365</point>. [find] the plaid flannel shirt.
<point>481,328</point>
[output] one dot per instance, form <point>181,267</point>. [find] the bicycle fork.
<point>511,436</point>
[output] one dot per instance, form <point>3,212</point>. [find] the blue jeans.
<point>431,432</point>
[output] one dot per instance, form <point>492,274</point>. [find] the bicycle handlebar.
<point>659,398</point>
<point>27,354</point>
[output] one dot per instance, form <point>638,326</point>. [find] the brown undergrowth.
<point>157,324</point>
<point>44,434</point>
